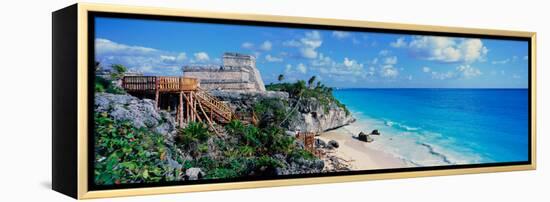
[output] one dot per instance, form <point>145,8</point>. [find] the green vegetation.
<point>299,91</point>
<point>194,133</point>
<point>103,84</point>
<point>271,112</point>
<point>125,154</point>
<point>247,150</point>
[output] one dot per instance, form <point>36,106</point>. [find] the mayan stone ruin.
<point>238,72</point>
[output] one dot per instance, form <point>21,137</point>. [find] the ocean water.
<point>430,127</point>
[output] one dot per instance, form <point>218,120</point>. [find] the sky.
<point>340,59</point>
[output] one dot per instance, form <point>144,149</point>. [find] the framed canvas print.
<point>154,100</point>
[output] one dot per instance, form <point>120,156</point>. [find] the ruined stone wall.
<point>238,72</point>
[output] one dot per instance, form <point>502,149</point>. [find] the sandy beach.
<point>358,155</point>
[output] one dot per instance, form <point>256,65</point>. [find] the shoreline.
<point>353,154</point>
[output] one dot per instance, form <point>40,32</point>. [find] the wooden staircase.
<point>214,105</point>
<point>199,104</point>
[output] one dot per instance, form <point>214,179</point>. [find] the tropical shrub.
<point>125,154</point>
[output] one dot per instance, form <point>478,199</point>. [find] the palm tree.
<point>281,77</point>
<point>311,81</point>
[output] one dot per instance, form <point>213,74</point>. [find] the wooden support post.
<point>157,99</point>
<point>192,105</point>
<point>180,109</point>
<point>209,120</point>
<point>186,107</point>
<point>156,92</point>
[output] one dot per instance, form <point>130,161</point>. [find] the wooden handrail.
<point>177,84</point>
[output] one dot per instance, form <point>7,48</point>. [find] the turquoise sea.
<point>427,127</point>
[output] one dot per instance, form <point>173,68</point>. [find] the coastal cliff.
<point>316,117</point>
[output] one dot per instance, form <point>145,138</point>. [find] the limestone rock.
<point>333,143</point>
<point>193,174</point>
<point>313,117</point>
<point>320,143</point>
<point>140,112</point>
<point>375,132</point>
<point>364,137</point>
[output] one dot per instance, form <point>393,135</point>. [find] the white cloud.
<point>348,62</point>
<point>302,68</point>
<point>462,71</point>
<point>266,46</point>
<point>288,68</point>
<point>525,57</point>
<point>138,58</point>
<point>292,43</point>
<point>389,71</point>
<point>515,76</point>
<point>105,46</point>
<point>168,58</point>
<point>384,52</point>
<point>307,45</point>
<point>400,42</point>
<point>201,57</point>
<point>410,78</point>
<point>443,76</point>
<point>247,45</point>
<point>271,58</point>
<point>181,57</point>
<point>500,62</point>
<point>426,69</point>
<point>390,60</point>
<point>340,34</point>
<point>468,71</point>
<point>446,49</point>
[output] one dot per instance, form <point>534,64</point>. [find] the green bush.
<point>99,88</point>
<point>301,154</point>
<point>125,154</point>
<point>222,173</point>
<point>194,133</point>
<point>299,89</point>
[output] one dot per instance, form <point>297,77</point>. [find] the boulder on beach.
<point>375,132</point>
<point>320,143</point>
<point>333,143</point>
<point>365,137</point>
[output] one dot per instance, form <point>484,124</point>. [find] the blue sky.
<point>337,58</point>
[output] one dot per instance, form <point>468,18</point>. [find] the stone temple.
<point>238,72</point>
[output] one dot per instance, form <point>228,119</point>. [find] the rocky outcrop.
<point>140,112</point>
<point>309,114</point>
<point>315,117</point>
<point>294,166</point>
<point>245,99</point>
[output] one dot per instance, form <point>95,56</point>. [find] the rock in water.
<point>333,143</point>
<point>375,132</point>
<point>193,174</point>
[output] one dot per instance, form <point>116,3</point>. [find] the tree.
<point>281,77</point>
<point>311,81</point>
<point>118,71</point>
<point>318,85</point>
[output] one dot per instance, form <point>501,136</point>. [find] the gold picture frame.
<point>77,185</point>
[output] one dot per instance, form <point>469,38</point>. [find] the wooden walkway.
<point>194,103</point>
